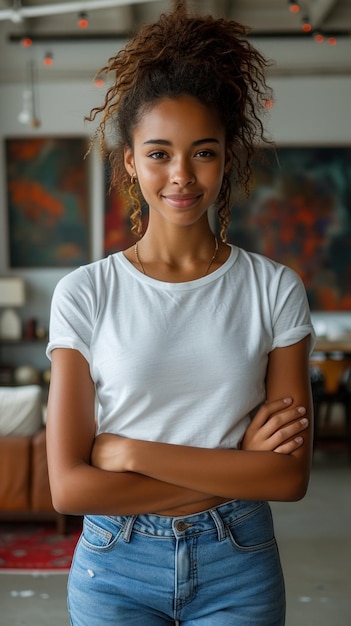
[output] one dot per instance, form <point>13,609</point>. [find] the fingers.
<point>290,446</point>
<point>286,424</point>
<point>280,432</point>
<point>280,420</point>
<point>288,436</point>
<point>268,409</point>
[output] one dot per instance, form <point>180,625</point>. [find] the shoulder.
<point>91,276</point>
<point>265,268</point>
<point>87,288</point>
<point>274,284</point>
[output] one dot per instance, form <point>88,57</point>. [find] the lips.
<point>182,200</point>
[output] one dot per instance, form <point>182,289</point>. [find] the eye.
<point>157,154</point>
<point>205,154</point>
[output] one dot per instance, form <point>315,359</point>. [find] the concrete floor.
<point>314,536</point>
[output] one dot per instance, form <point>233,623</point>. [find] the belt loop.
<point>128,528</point>
<point>221,530</point>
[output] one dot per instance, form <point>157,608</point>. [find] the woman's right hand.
<point>276,427</point>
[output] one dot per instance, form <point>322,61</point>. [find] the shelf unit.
<point>15,353</point>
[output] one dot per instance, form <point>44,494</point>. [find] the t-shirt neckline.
<point>192,284</point>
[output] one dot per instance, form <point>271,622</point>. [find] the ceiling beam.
<point>319,11</point>
<point>19,12</point>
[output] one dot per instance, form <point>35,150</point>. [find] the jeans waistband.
<point>214,519</point>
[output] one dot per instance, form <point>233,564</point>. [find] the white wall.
<point>312,111</point>
<point>308,111</point>
<point>62,109</point>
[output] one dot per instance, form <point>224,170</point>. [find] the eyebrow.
<point>165,142</point>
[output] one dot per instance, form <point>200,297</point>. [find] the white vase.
<point>10,325</point>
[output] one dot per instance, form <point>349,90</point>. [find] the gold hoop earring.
<point>224,207</point>
<point>135,214</point>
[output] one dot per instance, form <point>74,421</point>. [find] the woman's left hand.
<point>276,427</point>
<point>110,452</point>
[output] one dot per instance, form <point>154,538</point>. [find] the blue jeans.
<point>219,567</point>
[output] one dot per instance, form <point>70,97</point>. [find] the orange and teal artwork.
<point>299,214</point>
<point>48,202</point>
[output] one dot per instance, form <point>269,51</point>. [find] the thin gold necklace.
<point>139,262</point>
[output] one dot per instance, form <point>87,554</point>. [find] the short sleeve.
<point>72,314</point>
<point>291,318</point>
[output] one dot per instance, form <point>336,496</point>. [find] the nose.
<point>182,173</point>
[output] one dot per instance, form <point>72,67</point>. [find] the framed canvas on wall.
<point>48,202</point>
<point>299,213</point>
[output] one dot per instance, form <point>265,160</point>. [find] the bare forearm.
<point>256,472</point>
<point>76,486</point>
<point>224,473</point>
<point>85,489</point>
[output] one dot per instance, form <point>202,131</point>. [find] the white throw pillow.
<point>20,410</point>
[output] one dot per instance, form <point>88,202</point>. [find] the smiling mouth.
<point>182,200</point>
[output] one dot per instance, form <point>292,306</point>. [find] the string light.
<point>318,37</point>
<point>99,81</point>
<point>294,7</point>
<point>26,42</point>
<point>306,25</point>
<point>269,104</point>
<point>48,59</point>
<point>83,21</point>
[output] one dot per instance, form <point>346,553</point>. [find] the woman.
<point>196,351</point>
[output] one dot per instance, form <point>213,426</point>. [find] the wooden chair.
<point>331,387</point>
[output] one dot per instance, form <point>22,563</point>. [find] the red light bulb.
<point>48,59</point>
<point>26,42</point>
<point>318,37</point>
<point>269,104</point>
<point>99,81</point>
<point>83,21</point>
<point>294,7</point>
<point>306,27</point>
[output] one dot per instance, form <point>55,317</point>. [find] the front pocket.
<point>100,533</point>
<point>254,530</point>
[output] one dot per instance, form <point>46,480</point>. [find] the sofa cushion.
<point>20,410</point>
<point>40,491</point>
<point>15,453</point>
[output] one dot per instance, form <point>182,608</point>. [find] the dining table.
<point>332,356</point>
<point>328,346</point>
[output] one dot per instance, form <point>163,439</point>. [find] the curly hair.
<point>200,56</point>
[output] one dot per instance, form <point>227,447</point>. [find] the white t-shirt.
<point>182,363</point>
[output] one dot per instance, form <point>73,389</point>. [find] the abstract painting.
<point>48,202</point>
<point>299,213</point>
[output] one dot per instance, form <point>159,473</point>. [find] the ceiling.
<point>52,24</point>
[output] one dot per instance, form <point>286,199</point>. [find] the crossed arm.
<point>114,475</point>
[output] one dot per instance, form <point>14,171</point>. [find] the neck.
<point>186,264</point>
<point>177,245</point>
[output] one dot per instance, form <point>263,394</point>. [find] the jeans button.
<point>180,526</point>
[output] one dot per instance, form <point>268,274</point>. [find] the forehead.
<point>178,116</point>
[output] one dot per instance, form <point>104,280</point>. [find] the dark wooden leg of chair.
<point>348,424</point>
<point>317,406</point>
<point>61,524</point>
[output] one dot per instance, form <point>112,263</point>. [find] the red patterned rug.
<point>36,547</point>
